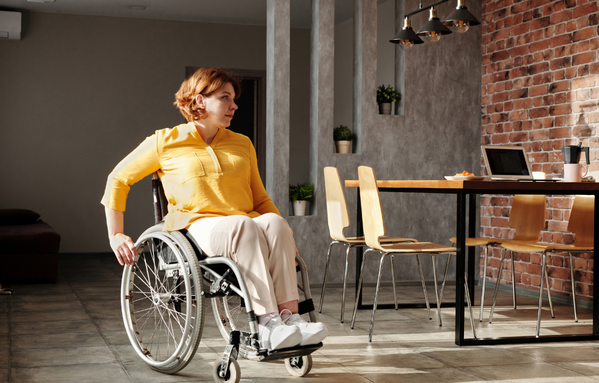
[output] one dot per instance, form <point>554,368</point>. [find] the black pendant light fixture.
<point>406,38</point>
<point>434,28</point>
<point>460,20</point>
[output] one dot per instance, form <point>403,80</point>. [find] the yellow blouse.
<point>199,180</point>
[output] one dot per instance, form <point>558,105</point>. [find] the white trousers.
<point>264,250</point>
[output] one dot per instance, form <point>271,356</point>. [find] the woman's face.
<point>220,106</point>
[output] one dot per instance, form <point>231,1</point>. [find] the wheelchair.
<point>163,297</point>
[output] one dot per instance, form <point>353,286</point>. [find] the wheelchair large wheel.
<point>230,315</point>
<point>161,300</point>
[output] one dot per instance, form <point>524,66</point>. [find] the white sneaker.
<point>276,335</point>
<point>312,333</point>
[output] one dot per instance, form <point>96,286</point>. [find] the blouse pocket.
<point>187,166</point>
<point>191,167</point>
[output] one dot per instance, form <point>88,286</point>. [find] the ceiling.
<point>246,12</point>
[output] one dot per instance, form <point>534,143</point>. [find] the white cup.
<point>574,172</point>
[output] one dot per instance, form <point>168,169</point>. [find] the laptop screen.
<point>507,162</point>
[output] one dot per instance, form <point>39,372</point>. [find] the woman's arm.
<point>137,165</point>
<point>121,244</point>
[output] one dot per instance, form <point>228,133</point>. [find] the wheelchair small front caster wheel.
<point>233,373</point>
<point>299,365</point>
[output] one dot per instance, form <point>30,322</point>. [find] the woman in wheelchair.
<point>211,180</point>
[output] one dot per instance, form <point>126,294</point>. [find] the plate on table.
<point>464,178</point>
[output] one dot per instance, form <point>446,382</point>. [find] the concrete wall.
<point>79,92</point>
<point>438,135</point>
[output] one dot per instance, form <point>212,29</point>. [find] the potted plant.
<point>385,96</point>
<point>300,194</point>
<point>343,137</point>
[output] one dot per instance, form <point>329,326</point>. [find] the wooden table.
<point>466,215</point>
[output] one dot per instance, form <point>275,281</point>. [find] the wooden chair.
<point>374,229</point>
<point>338,219</point>
<point>527,218</point>
<point>581,223</point>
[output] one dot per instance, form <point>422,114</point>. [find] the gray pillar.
<point>277,105</point>
<point>365,18</point>
<point>322,84</point>
<point>399,57</point>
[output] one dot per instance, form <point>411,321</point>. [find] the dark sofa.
<point>28,248</point>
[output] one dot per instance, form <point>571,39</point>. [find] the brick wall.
<point>540,89</point>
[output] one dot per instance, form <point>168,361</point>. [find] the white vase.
<point>299,207</point>
<point>343,146</point>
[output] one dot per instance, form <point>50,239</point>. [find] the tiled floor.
<point>72,331</point>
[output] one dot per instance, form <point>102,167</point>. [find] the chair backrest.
<point>581,221</point>
<point>372,211</point>
<point>528,216</point>
<point>337,214</point>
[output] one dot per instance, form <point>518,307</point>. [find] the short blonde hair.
<point>204,81</point>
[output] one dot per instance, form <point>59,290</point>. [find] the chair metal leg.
<point>549,293</point>
<point>353,320</point>
<point>541,295</point>
<point>573,288</point>
<point>469,304</point>
<point>376,296</point>
<point>482,294</point>
<point>513,281</point>
<point>428,307</point>
<point>434,257</point>
<point>393,281</point>
<point>326,272</point>
<point>444,278</point>
<point>497,286</point>
<point>349,246</point>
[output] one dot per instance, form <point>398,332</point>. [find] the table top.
<point>486,186</point>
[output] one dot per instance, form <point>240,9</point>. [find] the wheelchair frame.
<point>165,327</point>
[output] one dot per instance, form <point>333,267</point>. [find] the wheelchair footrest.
<point>286,353</point>
<point>306,306</point>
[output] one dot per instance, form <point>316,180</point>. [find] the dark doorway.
<point>250,118</point>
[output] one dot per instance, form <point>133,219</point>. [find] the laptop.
<point>507,162</point>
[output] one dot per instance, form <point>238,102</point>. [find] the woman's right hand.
<point>124,248</point>
<point>122,245</point>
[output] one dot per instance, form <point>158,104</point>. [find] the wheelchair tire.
<point>162,301</point>
<point>230,315</point>
<point>233,374</point>
<point>299,366</point>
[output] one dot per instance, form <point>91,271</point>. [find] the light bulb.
<point>406,44</point>
<point>461,26</point>
<point>433,36</point>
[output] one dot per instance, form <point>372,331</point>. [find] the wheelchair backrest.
<point>159,199</point>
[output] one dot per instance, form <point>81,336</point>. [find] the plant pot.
<point>299,207</point>
<point>343,146</point>
<point>385,107</point>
